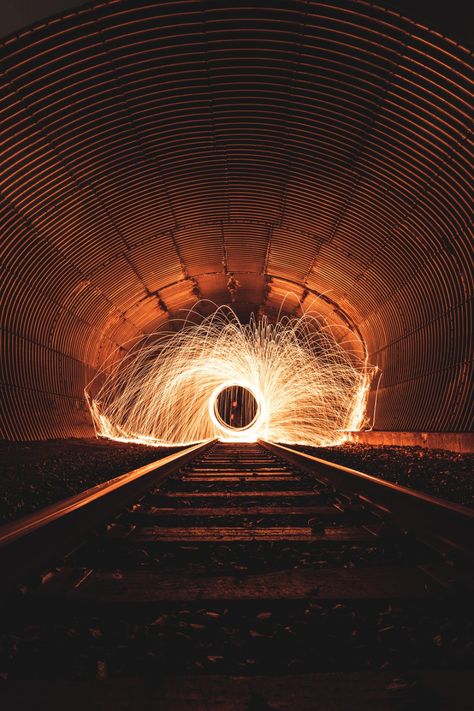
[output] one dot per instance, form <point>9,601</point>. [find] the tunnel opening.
<point>237,411</point>
<point>235,407</point>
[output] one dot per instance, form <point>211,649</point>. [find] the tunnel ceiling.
<point>158,154</point>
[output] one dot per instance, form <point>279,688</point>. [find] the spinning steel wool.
<point>288,382</point>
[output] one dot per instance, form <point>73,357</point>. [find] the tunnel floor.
<point>241,566</point>
<point>35,474</point>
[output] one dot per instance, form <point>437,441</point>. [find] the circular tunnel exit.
<point>235,407</point>
<point>238,411</point>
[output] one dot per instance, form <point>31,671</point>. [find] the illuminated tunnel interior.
<point>236,446</point>
<point>159,157</point>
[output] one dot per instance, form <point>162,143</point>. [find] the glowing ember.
<point>303,386</point>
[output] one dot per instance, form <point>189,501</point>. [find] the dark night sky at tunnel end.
<point>455,19</point>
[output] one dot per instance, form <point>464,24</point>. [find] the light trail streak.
<point>309,388</point>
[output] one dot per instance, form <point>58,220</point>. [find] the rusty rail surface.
<point>446,525</point>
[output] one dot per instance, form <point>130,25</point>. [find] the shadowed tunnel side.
<point>157,155</point>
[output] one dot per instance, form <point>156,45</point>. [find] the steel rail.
<point>37,540</point>
<point>443,524</point>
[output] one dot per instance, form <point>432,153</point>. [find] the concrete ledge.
<point>452,441</point>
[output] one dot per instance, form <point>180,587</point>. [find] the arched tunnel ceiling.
<point>156,154</point>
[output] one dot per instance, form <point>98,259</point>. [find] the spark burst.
<point>309,389</point>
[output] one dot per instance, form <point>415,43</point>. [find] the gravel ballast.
<point>447,475</point>
<point>36,474</point>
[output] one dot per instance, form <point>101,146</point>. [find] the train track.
<point>240,576</point>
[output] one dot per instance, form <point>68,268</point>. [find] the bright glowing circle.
<point>236,408</point>
<point>252,430</point>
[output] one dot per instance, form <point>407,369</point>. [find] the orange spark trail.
<point>309,389</point>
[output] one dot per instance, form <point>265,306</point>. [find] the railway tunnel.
<point>171,163</point>
<point>263,156</point>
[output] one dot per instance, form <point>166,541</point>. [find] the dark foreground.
<point>242,583</point>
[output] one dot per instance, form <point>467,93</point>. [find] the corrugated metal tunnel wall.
<point>151,151</point>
